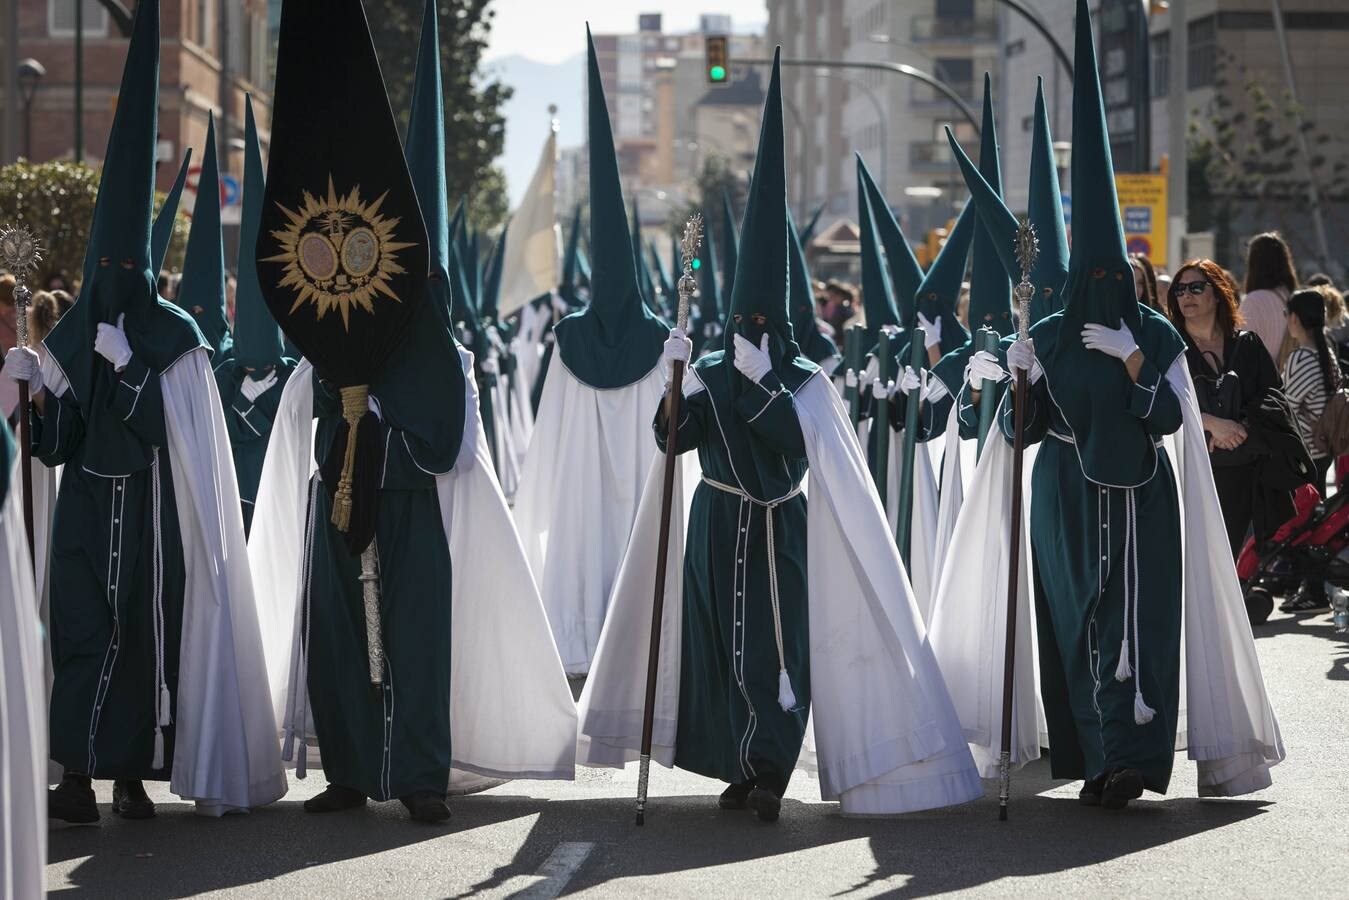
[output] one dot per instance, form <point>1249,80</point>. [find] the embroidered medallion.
<point>338,253</point>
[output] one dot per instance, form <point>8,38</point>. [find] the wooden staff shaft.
<point>1013,578</point>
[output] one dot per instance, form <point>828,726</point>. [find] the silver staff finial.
<point>689,245</point>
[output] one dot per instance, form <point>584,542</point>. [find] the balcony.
<point>935,29</point>
<point>935,156</point>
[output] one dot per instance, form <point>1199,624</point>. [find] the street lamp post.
<point>30,73</point>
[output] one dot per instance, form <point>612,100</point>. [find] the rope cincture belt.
<point>786,697</point>
<point>1143,714</point>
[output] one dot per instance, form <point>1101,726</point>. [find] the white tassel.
<point>1142,712</point>
<point>786,698</point>
<point>165,706</point>
<point>302,761</point>
<point>288,745</point>
<point>158,762</point>
<point>1123,672</point>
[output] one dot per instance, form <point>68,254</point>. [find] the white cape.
<point>1227,724</point>
<point>923,518</point>
<point>511,711</point>
<point>957,467</point>
<point>578,498</point>
<point>23,712</point>
<point>224,758</point>
<point>885,737</point>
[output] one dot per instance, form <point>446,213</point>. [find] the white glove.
<point>560,305</point>
<point>490,366</point>
<point>872,370</point>
<point>678,348</point>
<point>909,381</point>
<point>983,367</point>
<point>880,390</point>
<point>254,387</point>
<point>1116,342</point>
<point>752,361</point>
<point>934,389</point>
<point>22,364</point>
<point>1021,357</point>
<point>850,378</point>
<point>110,342</point>
<point>931,331</point>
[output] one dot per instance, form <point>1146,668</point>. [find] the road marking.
<point>557,870</point>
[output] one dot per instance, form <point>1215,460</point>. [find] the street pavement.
<point>548,839</point>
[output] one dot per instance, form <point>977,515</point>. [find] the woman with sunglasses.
<point>1233,376</point>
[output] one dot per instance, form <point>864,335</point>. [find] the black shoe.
<point>73,800</point>
<point>1090,795</point>
<point>424,806</point>
<point>335,798</point>
<point>1122,786</point>
<point>130,801</point>
<point>1305,600</point>
<point>734,797</point>
<point>765,803</point>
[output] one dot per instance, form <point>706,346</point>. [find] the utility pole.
<point>79,80</point>
<point>1313,193</point>
<point>1178,176</point>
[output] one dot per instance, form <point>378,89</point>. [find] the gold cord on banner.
<point>355,402</point>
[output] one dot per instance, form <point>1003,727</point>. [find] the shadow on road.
<point>937,851</point>
<point>1313,625</point>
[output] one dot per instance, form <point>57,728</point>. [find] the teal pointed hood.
<point>644,279</point>
<point>878,299</point>
<point>710,306</point>
<point>616,340</point>
<point>491,282</point>
<point>761,280</point>
<point>801,298</point>
<point>1045,214</point>
<point>730,231</point>
<point>939,293</point>
<point>811,224</point>
<point>1099,256</point>
<point>202,290</point>
<point>118,280</point>
<point>257,337</point>
<point>905,274</point>
<point>161,233</point>
<point>990,286</point>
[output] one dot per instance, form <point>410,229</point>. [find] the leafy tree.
<point>56,201</point>
<point>475,128</point>
<point>716,178</point>
<point>1245,163</point>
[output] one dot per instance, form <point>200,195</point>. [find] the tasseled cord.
<point>786,696</point>
<point>300,671</point>
<point>1143,714</point>
<point>163,704</point>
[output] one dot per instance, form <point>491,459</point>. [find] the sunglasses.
<point>1194,287</point>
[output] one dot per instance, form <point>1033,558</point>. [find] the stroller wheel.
<point>1259,604</point>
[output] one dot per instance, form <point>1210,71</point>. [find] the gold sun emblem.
<point>338,253</point>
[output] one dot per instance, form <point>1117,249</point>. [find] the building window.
<point>1161,64</point>
<point>61,18</point>
<point>1203,61</point>
<point>958,72</point>
<point>955,9</point>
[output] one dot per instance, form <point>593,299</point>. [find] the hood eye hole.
<point>1119,276</point>
<point>128,263</point>
<point>104,261</point>
<point>1049,292</point>
<point>1098,273</point>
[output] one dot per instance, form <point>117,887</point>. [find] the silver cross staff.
<point>20,253</point>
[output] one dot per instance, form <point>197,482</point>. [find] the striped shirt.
<point>1306,391</point>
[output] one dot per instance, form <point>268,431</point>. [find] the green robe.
<point>1078,533</point>
<point>731,726</point>
<point>392,741</point>
<point>104,696</point>
<point>249,425</point>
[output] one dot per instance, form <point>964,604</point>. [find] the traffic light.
<point>717,52</point>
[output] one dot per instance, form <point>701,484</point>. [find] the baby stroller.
<point>1305,548</point>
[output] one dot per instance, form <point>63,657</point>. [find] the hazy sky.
<point>553,30</point>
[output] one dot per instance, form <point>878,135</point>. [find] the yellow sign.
<point>1142,209</point>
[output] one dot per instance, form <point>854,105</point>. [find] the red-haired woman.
<point>1236,385</point>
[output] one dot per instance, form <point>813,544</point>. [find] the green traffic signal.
<point>697,264</point>
<point>717,73</point>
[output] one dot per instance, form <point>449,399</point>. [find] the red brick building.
<point>211,53</point>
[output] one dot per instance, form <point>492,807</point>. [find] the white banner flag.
<point>530,267</point>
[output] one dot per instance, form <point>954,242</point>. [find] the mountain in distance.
<point>537,85</point>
